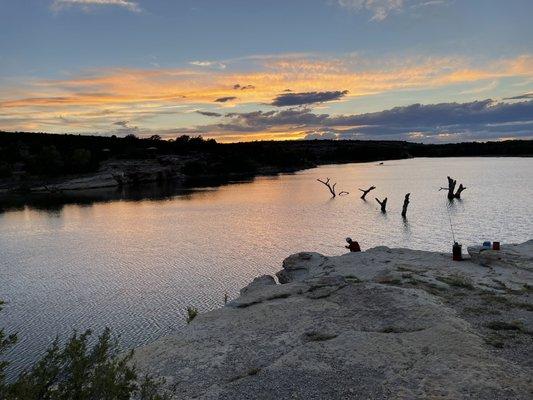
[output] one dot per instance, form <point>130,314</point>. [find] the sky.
<point>239,70</point>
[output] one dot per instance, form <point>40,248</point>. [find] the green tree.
<point>77,371</point>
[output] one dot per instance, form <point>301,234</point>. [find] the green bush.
<point>78,371</point>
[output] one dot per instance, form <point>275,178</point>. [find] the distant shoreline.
<point>153,189</point>
<point>41,165</point>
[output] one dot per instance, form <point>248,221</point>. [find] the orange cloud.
<point>153,97</point>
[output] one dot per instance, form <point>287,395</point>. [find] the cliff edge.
<point>381,324</point>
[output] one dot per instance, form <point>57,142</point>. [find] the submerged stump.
<point>365,192</point>
<point>383,204</point>
<point>405,205</point>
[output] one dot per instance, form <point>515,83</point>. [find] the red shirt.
<point>354,246</point>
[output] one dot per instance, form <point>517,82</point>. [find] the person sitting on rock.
<point>352,245</point>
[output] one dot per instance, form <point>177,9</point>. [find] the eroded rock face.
<point>300,266</point>
<point>381,324</point>
<point>258,283</point>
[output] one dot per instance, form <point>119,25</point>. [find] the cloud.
<point>123,124</point>
<point>430,3</point>
<point>485,88</point>
<point>294,99</point>
<point>209,64</point>
<point>209,113</point>
<point>240,87</point>
<point>521,97</point>
<point>261,120</point>
<point>484,119</point>
<point>225,99</point>
<point>123,86</point>
<point>92,100</point>
<point>124,128</point>
<point>381,9</point>
<point>86,5</point>
<point>322,135</point>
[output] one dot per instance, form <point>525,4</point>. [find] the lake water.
<point>136,265</point>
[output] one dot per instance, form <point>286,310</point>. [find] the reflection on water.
<point>136,265</point>
<point>56,201</point>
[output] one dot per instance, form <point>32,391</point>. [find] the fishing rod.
<point>451,225</point>
<point>456,248</point>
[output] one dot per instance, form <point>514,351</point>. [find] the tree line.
<point>41,154</point>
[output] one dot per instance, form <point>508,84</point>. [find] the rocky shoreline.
<point>122,179</point>
<point>129,173</point>
<point>380,324</point>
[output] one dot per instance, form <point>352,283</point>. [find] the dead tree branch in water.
<point>383,204</point>
<point>451,187</point>
<point>457,194</point>
<point>329,186</point>
<point>405,204</point>
<point>365,192</point>
<point>452,194</point>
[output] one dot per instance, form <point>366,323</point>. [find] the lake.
<point>135,265</point>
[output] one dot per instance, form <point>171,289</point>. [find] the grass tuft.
<point>352,279</point>
<point>318,336</point>
<point>191,314</point>
<point>389,280</point>
<point>456,280</point>
<point>505,326</point>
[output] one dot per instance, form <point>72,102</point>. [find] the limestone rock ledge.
<point>381,324</point>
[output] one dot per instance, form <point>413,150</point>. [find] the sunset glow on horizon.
<point>407,70</point>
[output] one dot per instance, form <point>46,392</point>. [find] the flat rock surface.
<point>381,324</point>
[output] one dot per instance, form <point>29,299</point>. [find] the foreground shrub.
<point>77,371</point>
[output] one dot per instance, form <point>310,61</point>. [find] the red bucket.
<point>495,245</point>
<point>457,252</point>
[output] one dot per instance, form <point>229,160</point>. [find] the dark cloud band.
<point>209,113</point>
<point>521,97</point>
<point>225,99</point>
<point>296,99</point>
<point>478,119</point>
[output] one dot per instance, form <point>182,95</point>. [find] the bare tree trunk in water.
<point>383,204</point>
<point>451,189</point>
<point>405,204</point>
<point>457,194</point>
<point>329,186</point>
<point>365,192</point>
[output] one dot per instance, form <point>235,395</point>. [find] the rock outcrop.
<point>381,324</point>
